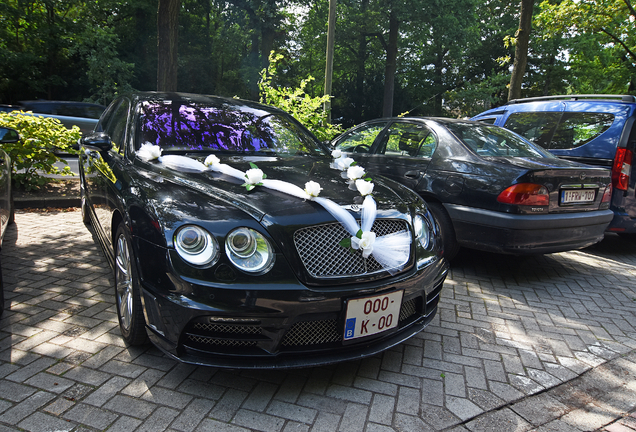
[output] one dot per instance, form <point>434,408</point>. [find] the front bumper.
<point>527,234</point>
<point>282,326</point>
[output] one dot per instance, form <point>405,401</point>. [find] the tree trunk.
<point>167,43</point>
<point>331,32</point>
<point>391,66</point>
<point>521,49</point>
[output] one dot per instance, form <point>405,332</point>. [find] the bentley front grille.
<point>312,333</point>
<point>306,333</point>
<point>208,335</point>
<point>320,251</point>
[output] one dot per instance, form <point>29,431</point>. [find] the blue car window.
<point>578,128</point>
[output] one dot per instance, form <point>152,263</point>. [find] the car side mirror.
<point>99,141</point>
<point>8,135</point>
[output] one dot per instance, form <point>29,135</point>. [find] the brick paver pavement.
<point>507,328</point>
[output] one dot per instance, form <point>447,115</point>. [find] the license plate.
<point>370,315</point>
<point>577,196</point>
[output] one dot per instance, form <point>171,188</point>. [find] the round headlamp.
<point>195,245</point>
<point>249,251</point>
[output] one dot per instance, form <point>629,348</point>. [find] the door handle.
<point>413,174</point>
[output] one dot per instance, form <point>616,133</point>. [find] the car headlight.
<point>195,245</point>
<point>249,250</point>
<point>422,231</point>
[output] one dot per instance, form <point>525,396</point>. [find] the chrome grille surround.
<point>320,251</point>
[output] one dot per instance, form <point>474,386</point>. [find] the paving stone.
<point>462,407</point>
<point>408,401</point>
<point>503,420</point>
<point>192,415</point>
<point>589,418</point>
<point>106,391</point>
<point>382,409</point>
<point>49,382</point>
<point>125,424</point>
<point>350,421</point>
<point>90,416</point>
<point>58,406</point>
<point>209,425</point>
<point>349,394</point>
<point>26,407</point>
<point>40,422</point>
<point>87,376</point>
<point>322,403</point>
<point>159,420</point>
<point>257,421</point>
<point>30,370</point>
<point>540,409</point>
<point>142,383</point>
<point>168,397</point>
<point>130,406</point>
<point>291,412</point>
<point>260,397</point>
<point>438,417</point>
<point>404,422</point>
<point>15,392</point>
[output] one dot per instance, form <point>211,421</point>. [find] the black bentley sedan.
<point>238,241</point>
<point>488,188</point>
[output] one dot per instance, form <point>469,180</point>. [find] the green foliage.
<point>107,74</point>
<point>34,154</point>
<point>600,40</point>
<point>304,108</point>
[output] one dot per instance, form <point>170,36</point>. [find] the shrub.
<point>304,108</point>
<point>34,155</point>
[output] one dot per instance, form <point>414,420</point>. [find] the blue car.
<point>592,129</point>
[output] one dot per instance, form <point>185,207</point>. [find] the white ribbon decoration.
<point>391,251</point>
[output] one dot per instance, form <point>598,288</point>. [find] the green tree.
<point>522,39</point>
<point>600,38</point>
<point>304,108</point>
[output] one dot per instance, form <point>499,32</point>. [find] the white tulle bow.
<point>391,251</point>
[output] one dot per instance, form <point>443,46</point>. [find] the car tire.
<point>127,290</point>
<point>451,248</point>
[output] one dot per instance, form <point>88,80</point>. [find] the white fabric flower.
<point>365,244</point>
<point>312,188</point>
<point>336,154</point>
<point>355,172</point>
<point>254,176</point>
<point>149,152</point>
<point>342,163</point>
<point>364,187</point>
<point>212,160</point>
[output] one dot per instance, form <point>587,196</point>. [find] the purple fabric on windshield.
<point>195,127</point>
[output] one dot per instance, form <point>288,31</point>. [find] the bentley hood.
<point>261,201</point>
